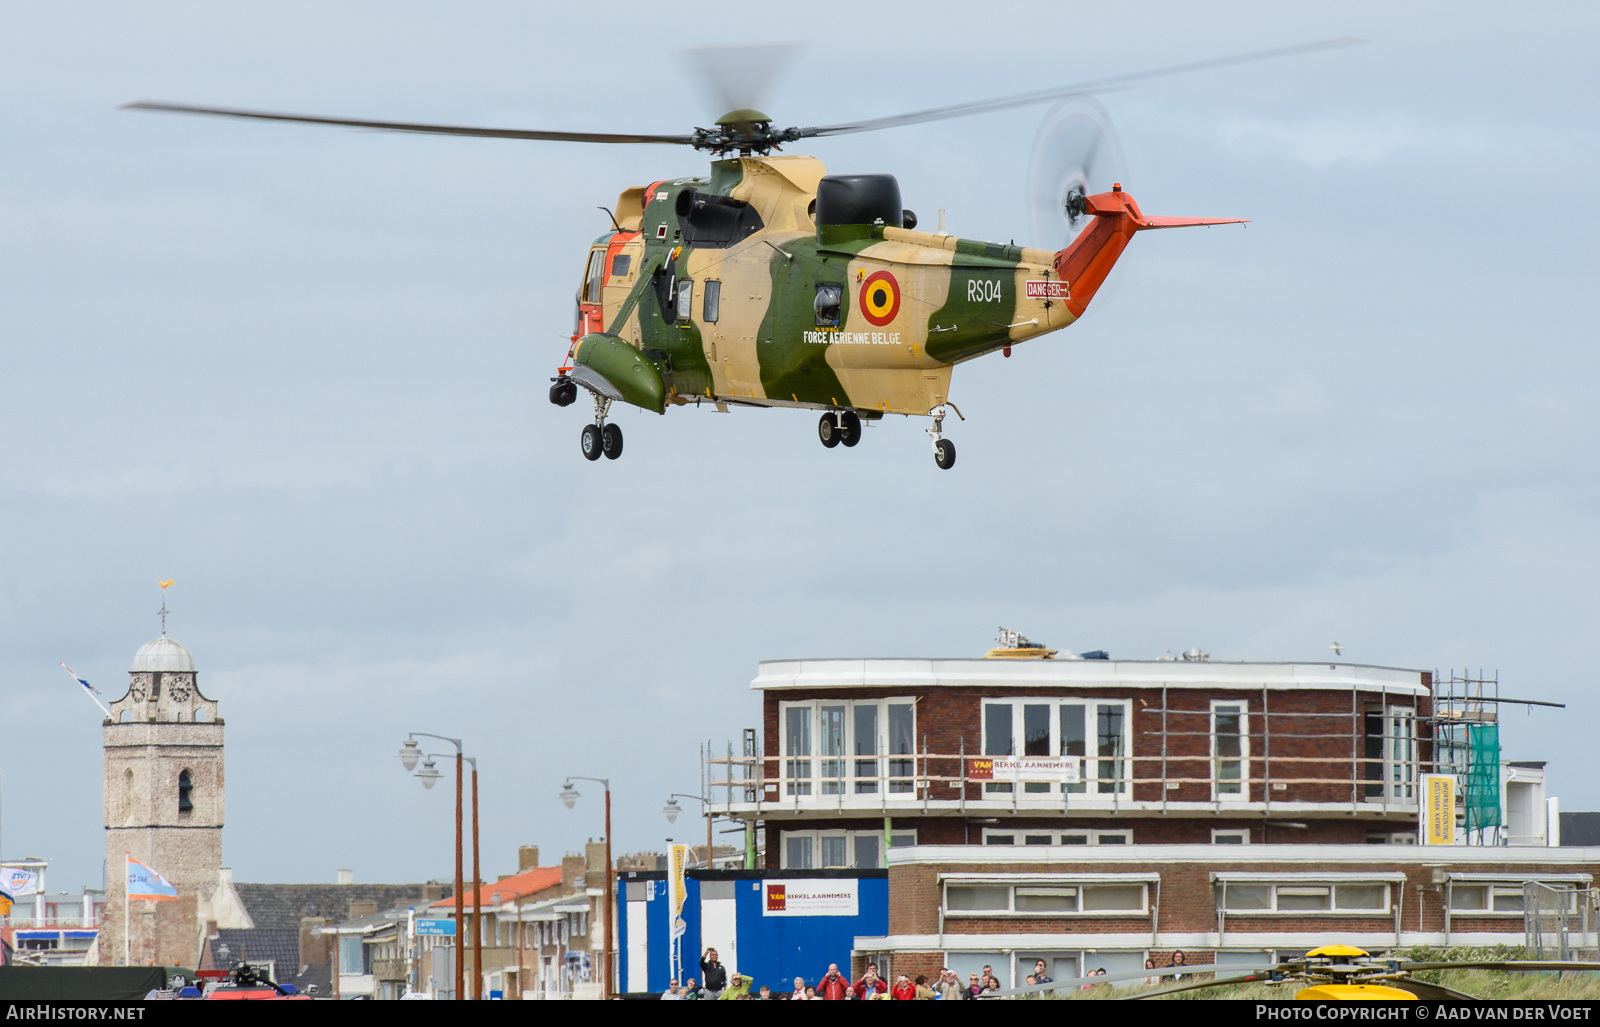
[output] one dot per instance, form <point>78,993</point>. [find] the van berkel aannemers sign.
<point>836,897</point>
<point>1025,768</point>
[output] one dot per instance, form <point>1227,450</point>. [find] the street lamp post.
<point>672,809</point>
<point>569,795</point>
<point>409,754</point>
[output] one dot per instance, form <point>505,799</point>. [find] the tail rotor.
<point>1076,154</point>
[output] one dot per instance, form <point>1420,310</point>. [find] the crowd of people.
<point>716,983</point>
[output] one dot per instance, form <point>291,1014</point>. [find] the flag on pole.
<point>145,883</point>
<point>16,881</point>
<point>90,690</point>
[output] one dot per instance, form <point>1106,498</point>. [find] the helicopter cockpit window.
<point>713,302</point>
<point>620,264</point>
<point>827,304</point>
<point>685,299</point>
<point>593,278</point>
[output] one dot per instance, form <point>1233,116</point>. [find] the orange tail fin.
<point>1086,261</point>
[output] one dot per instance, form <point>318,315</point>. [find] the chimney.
<point>594,857</point>
<point>362,907</point>
<point>572,871</point>
<point>313,947</point>
<point>527,857</point>
<point>345,877</point>
<point>432,892</point>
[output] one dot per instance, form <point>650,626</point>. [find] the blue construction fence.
<point>745,915</point>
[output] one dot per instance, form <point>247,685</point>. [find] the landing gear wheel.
<point>849,428</point>
<point>590,442</point>
<point>828,431</point>
<point>944,454</point>
<point>611,441</point>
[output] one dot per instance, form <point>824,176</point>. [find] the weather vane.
<point>163,611</point>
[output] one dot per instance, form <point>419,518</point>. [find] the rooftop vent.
<point>1014,645</point>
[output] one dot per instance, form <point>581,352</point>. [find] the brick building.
<point>1097,813</point>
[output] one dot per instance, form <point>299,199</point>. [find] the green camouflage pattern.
<point>958,299</point>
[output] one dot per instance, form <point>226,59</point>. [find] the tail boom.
<point>1086,261</point>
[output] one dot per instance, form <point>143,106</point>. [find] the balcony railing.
<point>50,923</point>
<point>1143,781</point>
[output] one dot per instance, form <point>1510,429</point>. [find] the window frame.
<point>1243,759</point>
<point>683,301</point>
<point>1306,883</point>
<point>1243,833</point>
<point>594,277</point>
<point>896,772</point>
<point>1494,887</point>
<point>1058,835</point>
<point>711,301</point>
<point>1091,757</point>
<point>1081,884</point>
<point>899,839</point>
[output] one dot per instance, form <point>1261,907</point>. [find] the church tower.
<point>163,806</point>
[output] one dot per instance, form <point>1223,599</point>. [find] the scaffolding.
<point>1559,922</point>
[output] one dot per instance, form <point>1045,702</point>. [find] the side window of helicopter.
<point>713,302</point>
<point>620,265</point>
<point>593,279</point>
<point>685,298</point>
<point>829,297</point>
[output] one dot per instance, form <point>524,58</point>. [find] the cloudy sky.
<point>303,371</point>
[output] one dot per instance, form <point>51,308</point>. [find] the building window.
<point>1306,897</point>
<point>1018,727</point>
<point>1391,751</point>
<point>1230,836</point>
<point>797,743</point>
<point>185,794</point>
<point>819,850</point>
<point>855,746</point>
<point>1044,898</point>
<point>1111,746</point>
<point>1008,836</point>
<point>1490,898</point>
<point>1229,749</point>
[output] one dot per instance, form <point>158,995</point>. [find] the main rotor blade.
<point>1505,964</point>
<point>1422,989</point>
<point>407,126</point>
<point>1100,85</point>
<point>1246,979</point>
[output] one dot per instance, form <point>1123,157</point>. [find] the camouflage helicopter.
<point>770,283</point>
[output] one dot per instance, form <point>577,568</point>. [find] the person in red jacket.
<point>904,990</point>
<point>870,984</point>
<point>834,985</point>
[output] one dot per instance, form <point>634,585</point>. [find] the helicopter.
<point>1344,973</point>
<point>771,283</point>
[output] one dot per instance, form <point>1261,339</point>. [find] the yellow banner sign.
<point>1438,813</point>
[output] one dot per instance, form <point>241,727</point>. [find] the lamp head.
<point>428,774</point>
<point>409,753</point>
<point>672,809</point>
<point>569,794</point>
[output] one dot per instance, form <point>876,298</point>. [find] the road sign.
<point>442,928</point>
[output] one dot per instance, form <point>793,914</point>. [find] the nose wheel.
<point>944,451</point>
<point>600,439</point>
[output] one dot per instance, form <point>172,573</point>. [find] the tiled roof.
<point>280,906</point>
<point>511,888</point>
<point>281,948</point>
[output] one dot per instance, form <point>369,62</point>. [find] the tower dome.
<point>162,654</point>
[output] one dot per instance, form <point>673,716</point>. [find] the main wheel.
<point>590,442</point>
<point>849,428</point>
<point>611,441</point>
<point>944,454</point>
<point>828,431</point>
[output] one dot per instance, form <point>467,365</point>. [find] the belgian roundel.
<point>880,298</point>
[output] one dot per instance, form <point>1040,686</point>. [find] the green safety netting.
<point>1483,776</point>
